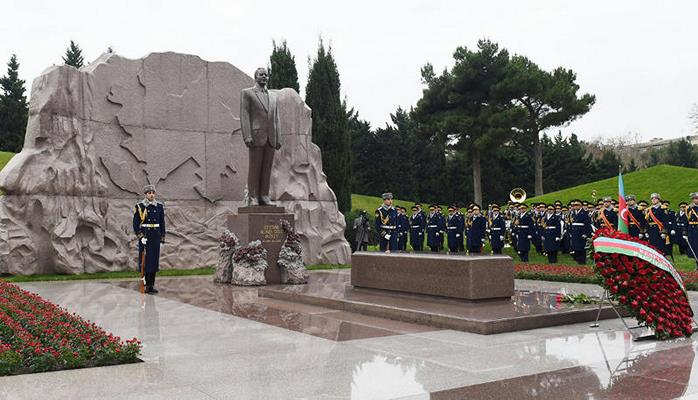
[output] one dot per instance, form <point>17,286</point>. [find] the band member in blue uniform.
<point>565,240</point>
<point>454,230</point>
<point>497,230</point>
<point>386,224</point>
<point>476,231</point>
<point>656,223</point>
<point>670,218</point>
<point>537,213</point>
<point>442,227</point>
<point>149,227</point>
<point>580,230</point>
<point>418,223</point>
<point>461,218</point>
<point>690,235</point>
<point>637,225</point>
<point>524,229</point>
<point>606,217</point>
<point>681,224</point>
<point>552,227</point>
<point>433,229</point>
<point>403,228</point>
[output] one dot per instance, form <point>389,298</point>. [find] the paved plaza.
<point>245,347</point>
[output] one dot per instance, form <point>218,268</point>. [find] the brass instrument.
<point>593,194</point>
<point>517,195</point>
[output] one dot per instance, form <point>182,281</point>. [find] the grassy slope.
<point>5,158</point>
<point>672,183</point>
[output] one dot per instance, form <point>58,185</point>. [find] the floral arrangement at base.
<point>229,243</point>
<point>293,269</point>
<point>39,336</point>
<point>650,294</point>
<point>249,264</point>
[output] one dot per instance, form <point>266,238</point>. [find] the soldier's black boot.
<point>149,290</point>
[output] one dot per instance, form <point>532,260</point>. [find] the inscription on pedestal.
<point>271,233</point>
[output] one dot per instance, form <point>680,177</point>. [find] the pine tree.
<point>73,56</point>
<point>330,128</point>
<point>13,109</point>
<point>282,68</point>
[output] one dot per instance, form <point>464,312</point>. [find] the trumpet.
<point>517,195</point>
<point>593,194</point>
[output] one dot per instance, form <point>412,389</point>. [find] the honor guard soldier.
<point>681,224</point>
<point>497,230</point>
<point>454,230</point>
<point>656,223</point>
<point>476,231</point>
<point>606,217</point>
<point>386,224</point>
<point>418,223</point>
<point>442,227</point>
<point>580,230</point>
<point>552,228</point>
<point>538,212</point>
<point>691,233</point>
<point>637,225</point>
<point>149,227</point>
<point>523,232</point>
<point>461,218</point>
<point>565,240</point>
<point>670,224</point>
<point>403,228</point>
<point>433,229</point>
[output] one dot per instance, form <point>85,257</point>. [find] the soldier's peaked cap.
<point>386,196</point>
<point>653,195</point>
<point>148,188</point>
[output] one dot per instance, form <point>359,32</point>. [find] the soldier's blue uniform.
<point>606,217</point>
<point>461,223</point>
<point>637,225</point>
<point>403,229</point>
<point>149,227</point>
<point>537,217</point>
<point>691,232</point>
<point>681,224</point>
<point>580,230</point>
<point>418,223</point>
<point>454,230</point>
<point>434,230</point>
<point>386,225</point>
<point>670,218</point>
<point>524,229</point>
<point>551,225</point>
<point>476,232</point>
<point>656,225</point>
<point>497,227</point>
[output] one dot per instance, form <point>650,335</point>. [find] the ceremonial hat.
<point>630,197</point>
<point>432,205</point>
<point>495,207</point>
<point>642,203</point>
<point>523,205</point>
<point>565,208</point>
<point>694,195</point>
<point>386,196</point>
<point>451,208</point>
<point>653,195</point>
<point>557,203</point>
<point>415,207</point>
<point>607,198</point>
<point>148,188</point>
<point>683,203</point>
<point>475,206</point>
<point>550,207</point>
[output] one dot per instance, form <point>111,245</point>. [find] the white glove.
<point>663,236</point>
<point>557,239</point>
<point>437,233</point>
<point>387,237</point>
<point>483,240</point>
<point>685,237</point>
<point>457,234</point>
<point>501,238</point>
<point>673,232</point>
<point>542,238</point>
<point>144,241</point>
<point>584,236</point>
<point>529,236</point>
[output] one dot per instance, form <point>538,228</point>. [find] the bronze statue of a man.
<point>259,119</point>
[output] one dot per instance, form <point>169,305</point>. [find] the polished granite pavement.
<point>194,352</point>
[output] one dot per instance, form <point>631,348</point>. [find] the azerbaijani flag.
<point>622,207</point>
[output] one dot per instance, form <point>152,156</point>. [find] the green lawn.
<point>672,183</point>
<point>5,158</point>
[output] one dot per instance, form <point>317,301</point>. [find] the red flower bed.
<point>36,336</point>
<point>651,295</point>
<point>553,269</point>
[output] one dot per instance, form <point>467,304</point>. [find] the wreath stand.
<point>633,330</point>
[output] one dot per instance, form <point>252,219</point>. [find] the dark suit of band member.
<point>476,234</point>
<point>403,228</point>
<point>463,233</point>
<point>607,218</point>
<point>580,230</point>
<point>681,224</point>
<point>386,226</point>
<point>149,227</point>
<point>497,233</point>
<point>637,224</point>
<point>551,236</point>
<point>691,231</point>
<point>259,122</point>
<point>524,234</point>
<point>454,232</point>
<point>670,217</point>
<point>418,223</point>
<point>656,228</point>
<point>442,230</point>
<point>537,230</point>
<point>434,232</point>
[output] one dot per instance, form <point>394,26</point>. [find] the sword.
<point>692,251</point>
<point>142,280</point>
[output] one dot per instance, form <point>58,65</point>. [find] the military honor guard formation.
<point>548,228</point>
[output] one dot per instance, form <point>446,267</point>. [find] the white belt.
<point>451,227</point>
<point>387,226</point>
<point>150,225</point>
<point>496,229</point>
<point>522,226</point>
<point>551,227</point>
<point>432,226</point>
<point>415,226</point>
<point>578,224</point>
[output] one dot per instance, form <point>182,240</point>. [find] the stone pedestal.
<point>262,223</point>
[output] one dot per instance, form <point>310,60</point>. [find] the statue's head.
<point>261,76</point>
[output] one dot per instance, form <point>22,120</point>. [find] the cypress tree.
<point>14,110</point>
<point>330,128</point>
<point>73,56</point>
<point>282,68</point>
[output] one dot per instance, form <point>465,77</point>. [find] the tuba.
<point>517,195</point>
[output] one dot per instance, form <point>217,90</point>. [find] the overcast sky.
<point>640,58</point>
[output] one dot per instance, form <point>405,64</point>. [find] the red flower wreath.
<point>650,295</point>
